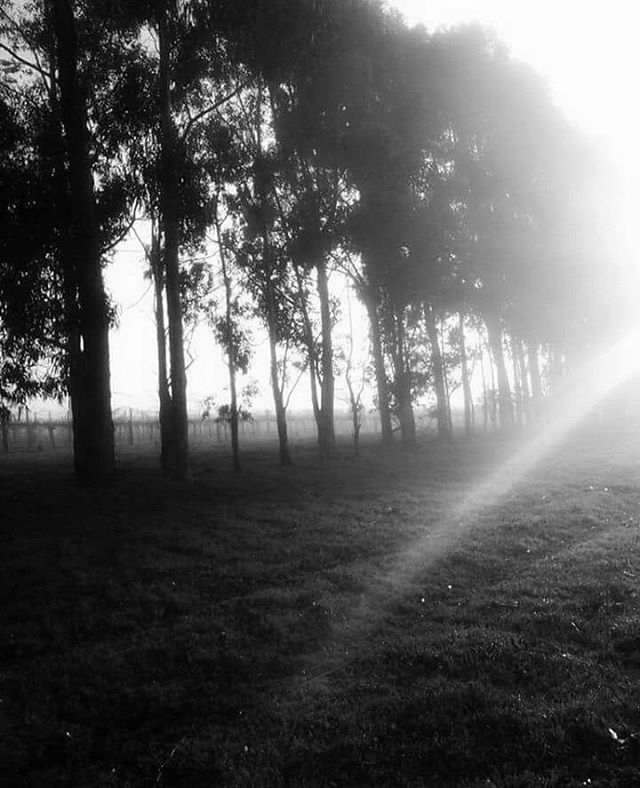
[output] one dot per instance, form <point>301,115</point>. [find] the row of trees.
<point>295,138</point>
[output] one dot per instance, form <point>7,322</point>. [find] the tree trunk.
<point>278,399</point>
<point>381,374</point>
<point>517,385</point>
<point>169,212</point>
<point>403,385</point>
<point>312,357</point>
<point>231,357</point>
<point>534,371</point>
<point>167,450</point>
<point>437,370</point>
<point>327,390</point>
<point>355,418</point>
<point>233,420</point>
<point>90,392</point>
<point>505,404</point>
<point>535,379</point>
<point>466,381</point>
<point>524,384</point>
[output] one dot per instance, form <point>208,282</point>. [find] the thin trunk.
<point>517,387</point>
<point>311,355</point>
<point>169,212</point>
<point>494,332</point>
<point>485,398</point>
<point>437,371</point>
<point>381,374</point>
<point>524,383</point>
<point>327,389</point>
<point>271,305</point>
<point>94,455</point>
<point>355,400</point>
<point>355,418</point>
<point>466,381</point>
<point>534,372</point>
<point>231,356</point>
<point>278,399</point>
<point>535,379</point>
<point>403,385</point>
<point>447,392</point>
<point>164,395</point>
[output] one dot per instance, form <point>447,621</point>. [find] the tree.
<point>50,47</point>
<point>231,328</point>
<point>32,361</point>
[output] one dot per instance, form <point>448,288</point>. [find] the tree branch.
<point>212,108</point>
<point>37,68</point>
<point>293,388</point>
<point>121,236</point>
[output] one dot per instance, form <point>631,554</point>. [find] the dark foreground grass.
<point>280,627</point>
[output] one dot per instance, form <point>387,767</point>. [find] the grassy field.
<point>381,621</point>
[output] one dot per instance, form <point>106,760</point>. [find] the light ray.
<point>573,400</point>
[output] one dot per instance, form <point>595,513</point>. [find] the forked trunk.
<point>178,461</point>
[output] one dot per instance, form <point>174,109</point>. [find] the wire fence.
<point>141,428</point>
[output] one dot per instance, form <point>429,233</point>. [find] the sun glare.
<point>588,53</point>
<point>579,396</point>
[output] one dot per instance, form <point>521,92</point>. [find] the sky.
<point>588,50</point>
<point>589,54</point>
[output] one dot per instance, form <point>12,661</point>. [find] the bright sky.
<point>588,50</point>
<point>590,55</point>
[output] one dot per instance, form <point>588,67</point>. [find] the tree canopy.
<point>302,141</point>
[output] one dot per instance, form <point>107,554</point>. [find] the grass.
<point>326,624</point>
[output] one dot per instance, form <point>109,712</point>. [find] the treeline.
<point>296,138</point>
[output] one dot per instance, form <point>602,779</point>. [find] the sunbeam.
<point>574,399</point>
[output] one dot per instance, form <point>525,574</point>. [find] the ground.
<point>387,620</point>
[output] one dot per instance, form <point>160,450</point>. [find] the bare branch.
<point>293,388</point>
<point>37,68</point>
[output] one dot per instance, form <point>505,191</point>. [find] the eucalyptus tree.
<point>62,63</point>
<point>181,78</point>
<point>248,187</point>
<point>31,310</point>
<point>314,201</point>
<point>231,327</point>
<point>385,146</point>
<point>505,140</point>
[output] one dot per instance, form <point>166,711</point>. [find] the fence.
<point>144,430</point>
